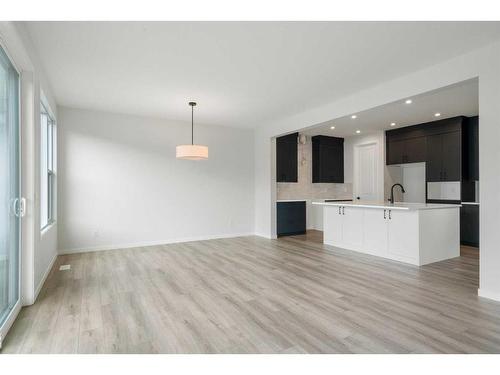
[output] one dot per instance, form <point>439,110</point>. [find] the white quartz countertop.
<point>314,200</point>
<point>389,206</point>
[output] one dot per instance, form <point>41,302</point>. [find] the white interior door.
<point>366,172</point>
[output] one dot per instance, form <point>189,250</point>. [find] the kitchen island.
<point>415,233</point>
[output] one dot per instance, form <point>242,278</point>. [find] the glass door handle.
<point>19,207</point>
<point>22,207</point>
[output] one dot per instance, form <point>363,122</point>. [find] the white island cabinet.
<point>412,233</point>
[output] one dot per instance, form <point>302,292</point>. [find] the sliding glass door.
<point>10,192</point>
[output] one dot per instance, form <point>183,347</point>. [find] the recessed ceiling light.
<point>393,124</point>
<point>358,131</point>
<point>437,114</point>
<point>332,127</point>
<point>408,101</point>
<point>354,116</point>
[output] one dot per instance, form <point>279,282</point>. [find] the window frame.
<point>50,170</point>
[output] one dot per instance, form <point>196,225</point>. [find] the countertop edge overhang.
<point>388,206</point>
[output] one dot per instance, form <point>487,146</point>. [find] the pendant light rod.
<point>192,104</point>
<point>192,151</point>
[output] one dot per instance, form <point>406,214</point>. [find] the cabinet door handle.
<point>390,215</point>
<point>343,210</point>
<point>339,210</point>
<point>384,214</point>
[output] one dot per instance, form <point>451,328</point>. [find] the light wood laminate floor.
<point>253,295</point>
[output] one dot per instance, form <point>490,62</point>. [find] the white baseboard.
<point>490,295</point>
<point>44,277</point>
<point>264,235</point>
<point>151,243</point>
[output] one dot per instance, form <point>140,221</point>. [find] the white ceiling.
<point>241,73</point>
<point>455,100</point>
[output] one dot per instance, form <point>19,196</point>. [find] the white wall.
<point>39,250</point>
<point>121,185</point>
<point>482,63</point>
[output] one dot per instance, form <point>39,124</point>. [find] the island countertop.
<point>389,206</point>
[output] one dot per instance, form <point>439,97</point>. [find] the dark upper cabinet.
<point>438,143</point>
<point>416,150</point>
<point>286,158</point>
<point>434,165</point>
<point>327,159</point>
<point>395,151</point>
<point>452,156</point>
<point>444,157</point>
<point>471,150</point>
<point>411,150</point>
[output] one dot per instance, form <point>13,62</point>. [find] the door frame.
<point>356,168</point>
<point>4,329</point>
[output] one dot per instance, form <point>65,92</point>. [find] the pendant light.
<point>192,151</point>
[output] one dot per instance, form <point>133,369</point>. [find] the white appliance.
<point>413,176</point>
<point>446,190</point>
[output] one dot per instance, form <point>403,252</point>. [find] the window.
<point>47,171</point>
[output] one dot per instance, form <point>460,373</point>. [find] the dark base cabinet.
<point>469,225</point>
<point>291,218</point>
